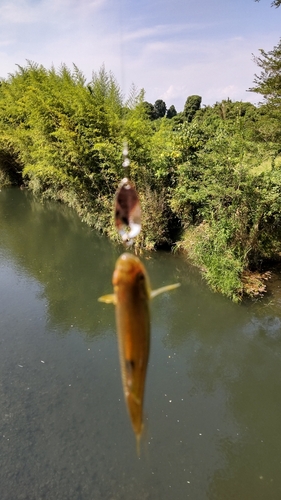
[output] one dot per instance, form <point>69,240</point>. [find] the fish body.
<point>131,298</point>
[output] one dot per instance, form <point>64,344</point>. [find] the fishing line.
<point>127,206</point>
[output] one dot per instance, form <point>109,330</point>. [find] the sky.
<point>171,48</point>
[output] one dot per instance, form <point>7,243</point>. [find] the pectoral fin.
<point>163,289</point>
<point>108,299</point>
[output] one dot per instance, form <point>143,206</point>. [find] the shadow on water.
<point>48,241</point>
<point>212,406</point>
<point>231,356</point>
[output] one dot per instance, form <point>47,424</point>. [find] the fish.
<point>131,297</point>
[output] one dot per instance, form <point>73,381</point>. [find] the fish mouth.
<point>128,266</point>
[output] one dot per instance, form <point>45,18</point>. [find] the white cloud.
<point>18,12</point>
<point>5,43</point>
<point>229,91</point>
<point>170,60</point>
<point>68,7</point>
<point>172,92</point>
<point>46,11</point>
<point>214,69</point>
<point>161,30</point>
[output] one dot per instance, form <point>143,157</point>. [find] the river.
<point>213,396</point>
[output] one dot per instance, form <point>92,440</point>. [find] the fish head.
<point>130,271</point>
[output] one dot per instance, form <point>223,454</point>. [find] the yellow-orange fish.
<point>131,298</point>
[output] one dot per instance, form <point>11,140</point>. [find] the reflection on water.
<point>212,405</point>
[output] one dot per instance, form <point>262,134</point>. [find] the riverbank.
<point>254,284</point>
<point>208,183</point>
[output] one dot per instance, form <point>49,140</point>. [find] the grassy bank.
<point>209,181</point>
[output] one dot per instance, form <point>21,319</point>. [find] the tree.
<point>149,109</point>
<point>171,112</point>
<point>159,108</point>
<point>192,104</point>
<point>268,83</point>
<point>275,3</point>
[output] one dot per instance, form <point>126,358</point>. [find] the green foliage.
<point>159,109</point>
<point>268,83</point>
<point>208,245</point>
<point>171,112</point>
<point>210,176</point>
<point>229,215</point>
<point>192,104</point>
<point>178,119</point>
<point>149,109</point>
<point>63,133</point>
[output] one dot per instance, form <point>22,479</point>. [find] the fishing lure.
<point>127,211</point>
<point>127,206</point>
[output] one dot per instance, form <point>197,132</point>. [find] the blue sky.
<point>171,48</point>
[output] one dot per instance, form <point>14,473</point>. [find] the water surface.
<point>213,397</point>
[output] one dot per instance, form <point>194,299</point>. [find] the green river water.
<point>213,395</point>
